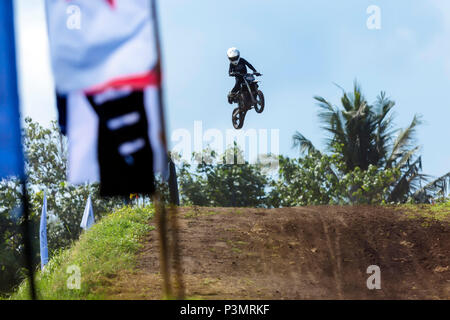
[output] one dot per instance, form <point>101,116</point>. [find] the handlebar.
<point>233,74</point>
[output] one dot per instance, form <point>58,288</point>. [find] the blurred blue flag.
<point>11,158</point>
<point>88,216</point>
<point>43,234</point>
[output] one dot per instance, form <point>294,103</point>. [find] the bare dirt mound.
<point>300,253</point>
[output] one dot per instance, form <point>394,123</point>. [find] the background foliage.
<point>46,157</point>
<point>218,182</point>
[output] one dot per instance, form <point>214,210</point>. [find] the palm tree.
<point>364,135</point>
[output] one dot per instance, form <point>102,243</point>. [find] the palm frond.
<point>407,183</point>
<point>327,112</point>
<point>437,187</point>
<point>407,156</point>
<point>304,145</point>
<point>383,105</point>
<point>403,141</point>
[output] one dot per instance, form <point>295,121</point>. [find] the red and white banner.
<point>99,44</point>
<point>105,64</point>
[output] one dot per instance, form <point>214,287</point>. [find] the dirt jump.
<point>300,253</point>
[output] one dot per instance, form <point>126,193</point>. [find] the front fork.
<point>250,91</point>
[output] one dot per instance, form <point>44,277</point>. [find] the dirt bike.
<point>248,97</point>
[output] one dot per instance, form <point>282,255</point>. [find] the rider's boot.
<point>231,97</point>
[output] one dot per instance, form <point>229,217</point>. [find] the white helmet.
<point>234,55</point>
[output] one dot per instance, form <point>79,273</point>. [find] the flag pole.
<point>174,203</point>
<point>161,218</point>
<point>159,204</point>
<point>176,252</point>
<point>162,214</point>
<point>28,251</point>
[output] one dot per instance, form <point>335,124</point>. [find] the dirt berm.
<point>318,252</point>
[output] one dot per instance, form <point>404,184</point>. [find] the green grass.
<point>429,212</point>
<point>101,253</point>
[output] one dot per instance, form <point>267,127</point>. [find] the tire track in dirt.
<point>333,257</point>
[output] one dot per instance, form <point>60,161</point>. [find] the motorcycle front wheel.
<point>238,118</point>
<point>259,106</point>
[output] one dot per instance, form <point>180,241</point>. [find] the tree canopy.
<point>363,136</point>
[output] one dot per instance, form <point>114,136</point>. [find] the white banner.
<point>98,44</point>
<point>104,60</point>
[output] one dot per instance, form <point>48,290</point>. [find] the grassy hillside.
<point>103,252</point>
<point>251,253</point>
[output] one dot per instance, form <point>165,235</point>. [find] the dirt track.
<point>300,253</point>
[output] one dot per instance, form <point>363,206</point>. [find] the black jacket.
<point>241,67</point>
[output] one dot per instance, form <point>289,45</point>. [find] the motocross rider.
<point>238,68</point>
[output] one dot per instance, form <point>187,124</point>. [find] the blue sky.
<point>301,47</point>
